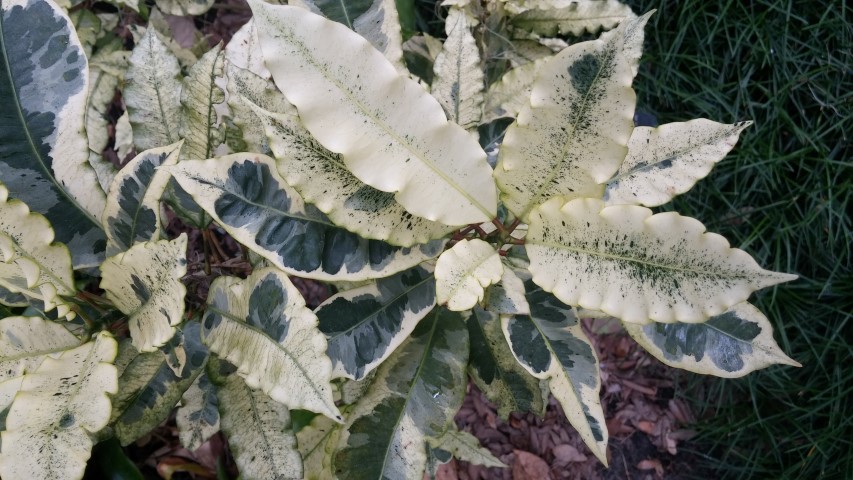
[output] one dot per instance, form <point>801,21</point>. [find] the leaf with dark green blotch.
<point>248,198</point>
<point>729,345</point>
<point>415,394</point>
<point>364,325</point>
<point>41,96</point>
<point>495,370</point>
<point>198,415</point>
<point>345,12</point>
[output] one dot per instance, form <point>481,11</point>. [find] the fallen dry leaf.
<point>529,467</point>
<point>567,454</point>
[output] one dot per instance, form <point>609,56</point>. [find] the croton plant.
<point>467,200</point>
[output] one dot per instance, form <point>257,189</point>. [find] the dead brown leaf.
<point>528,466</point>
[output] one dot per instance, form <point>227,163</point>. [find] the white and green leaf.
<point>184,7</point>
<point>258,429</point>
<point>243,51</point>
<point>636,266</point>
<point>321,177</point>
<point>465,447</point>
<point>152,93</point>
<point>574,135</point>
<point>199,94</point>
<point>365,325</point>
<point>246,93</point>
<point>262,326</point>
<point>44,157</point>
<point>31,264</point>
<point>145,284</point>
<point>572,18</point>
<point>551,344</point>
<point>380,25</point>
<point>507,297</point>
<point>248,198</point>
<point>49,427</point>
<point>458,82</point>
<point>511,94</point>
<point>667,161</point>
<point>317,442</point>
<point>415,395</point>
<point>132,214</point>
<point>728,345</point>
<point>149,389</point>
<point>462,273</point>
<point>198,415</point>
<point>106,70</point>
<point>392,134</point>
<point>496,372</point>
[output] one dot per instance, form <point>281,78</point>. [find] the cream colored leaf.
<point>380,25</point>
<point>667,161</point>
<point>317,442</point>
<point>262,326</point>
<point>392,134</point>
<point>465,447</point>
<point>145,283</point>
<point>575,17</point>
<point>728,345</point>
<point>244,51</point>
<point>459,83</point>
<point>322,178</point>
<point>103,82</point>
<point>462,273</point>
<point>153,93</point>
<point>511,94</point>
<point>30,263</point>
<point>60,406</point>
<point>574,134</point>
<point>636,266</point>
<point>248,91</point>
<point>184,7</point>
<point>124,137</point>
<point>199,95</point>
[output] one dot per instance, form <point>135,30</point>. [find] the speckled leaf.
<point>145,284</point>
<point>132,214</point>
<point>667,161</point>
<point>462,272</point>
<point>262,326</point>
<point>392,134</point>
<point>511,94</point>
<point>729,345</point>
<point>259,431</point>
<point>243,51</point>
<point>317,442</point>
<point>575,18</point>
<point>247,197</point>
<point>636,266</point>
<point>44,159</point>
<point>149,389</point>
<point>550,344</point>
<point>380,25</point>
<point>365,325</point>
<point>495,370</point>
<point>415,394</point>
<point>184,7</point>
<point>199,93</point>
<point>465,447</point>
<point>458,82</point>
<point>30,263</point>
<point>152,93</point>
<point>60,406</point>
<point>507,297</point>
<point>574,135</point>
<point>246,91</point>
<point>322,178</point>
<point>198,415</point>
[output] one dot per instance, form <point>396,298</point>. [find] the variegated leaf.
<point>132,214</point>
<point>365,325</point>
<point>30,263</point>
<point>392,134</point>
<point>465,447</point>
<point>462,272</point>
<point>551,344</point>
<point>458,82</point>
<point>248,92</point>
<point>729,345</point>
<point>106,69</point>
<point>145,283</point>
<point>150,389</point>
<point>43,147</point>
<point>667,161</point>
<point>495,370</point>
<point>124,137</point>
<point>258,429</point>
<point>511,94</point>
<point>415,394</point>
<point>60,406</point>
<point>322,178</point>
<point>317,442</point>
<point>243,51</point>
<point>247,197</point>
<point>198,415</point>
<point>380,25</point>
<point>199,93</point>
<point>636,266</point>
<point>184,7</point>
<point>262,326</point>
<point>152,93</point>
<point>574,134</point>
<point>575,17</point>
<point>507,297</point>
